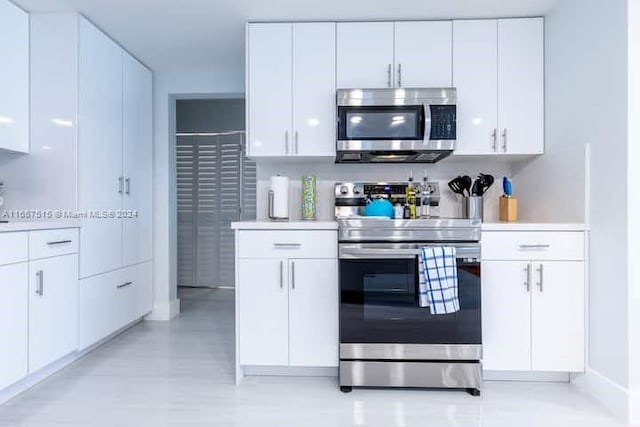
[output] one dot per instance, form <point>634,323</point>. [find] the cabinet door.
<point>557,329</point>
<point>506,320</point>
<point>423,54</point>
<point>314,89</point>
<point>365,54</point>
<point>100,180</point>
<point>269,88</point>
<point>263,312</point>
<point>475,71</point>
<point>521,85</point>
<point>137,161</point>
<point>98,309</point>
<point>14,322</point>
<point>53,309</point>
<point>144,290</point>
<point>14,78</point>
<point>313,312</point>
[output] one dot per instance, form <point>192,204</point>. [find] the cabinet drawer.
<point>13,247</point>
<point>48,243</point>
<point>508,245</point>
<point>288,244</point>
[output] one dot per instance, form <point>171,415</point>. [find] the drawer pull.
<point>535,246</point>
<point>59,242</point>
<point>287,245</point>
<point>124,285</point>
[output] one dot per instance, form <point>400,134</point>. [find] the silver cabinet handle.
<point>124,285</point>
<point>293,274</point>
<point>127,182</point>
<point>281,274</point>
<point>58,242</point>
<point>504,140</point>
<point>296,142</point>
<point>527,282</point>
<point>389,76</point>
<point>40,276</point>
<point>286,141</point>
<point>120,185</point>
<point>399,75</point>
<point>540,246</point>
<point>287,245</point>
<point>494,135</point>
<point>541,278</point>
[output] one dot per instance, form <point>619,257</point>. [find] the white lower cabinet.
<point>287,308</point>
<point>288,312</point>
<point>14,322</point>
<point>111,301</point>
<point>533,310</point>
<point>53,308</point>
<point>313,312</point>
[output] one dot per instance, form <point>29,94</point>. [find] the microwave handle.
<point>426,122</point>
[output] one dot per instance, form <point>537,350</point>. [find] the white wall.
<point>167,87</point>
<point>586,95</point>
<point>633,192</point>
<point>329,173</point>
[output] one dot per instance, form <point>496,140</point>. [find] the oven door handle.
<point>472,253</point>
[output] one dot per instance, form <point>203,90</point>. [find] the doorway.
<point>216,185</point>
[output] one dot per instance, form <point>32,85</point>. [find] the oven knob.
<point>357,190</point>
<point>344,190</point>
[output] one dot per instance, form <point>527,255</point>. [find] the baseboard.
<point>164,311</point>
<point>290,371</point>
<point>614,397</point>
<point>33,379</point>
<point>634,408</point>
<point>556,377</point>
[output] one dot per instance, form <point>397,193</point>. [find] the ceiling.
<point>171,35</point>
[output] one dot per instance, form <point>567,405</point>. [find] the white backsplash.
<point>329,173</point>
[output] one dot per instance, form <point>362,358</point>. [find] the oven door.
<point>380,301</point>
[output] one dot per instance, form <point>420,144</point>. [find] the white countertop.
<point>37,225</point>
<point>284,225</point>
<point>532,226</point>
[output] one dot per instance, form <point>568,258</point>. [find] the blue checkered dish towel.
<point>439,280</point>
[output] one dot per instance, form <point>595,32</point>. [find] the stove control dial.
<point>357,190</point>
<point>344,190</point>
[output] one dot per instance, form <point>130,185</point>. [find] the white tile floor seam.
<point>180,373</point>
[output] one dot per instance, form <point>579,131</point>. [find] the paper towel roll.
<point>279,197</point>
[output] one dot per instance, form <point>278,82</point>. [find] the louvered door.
<point>215,184</point>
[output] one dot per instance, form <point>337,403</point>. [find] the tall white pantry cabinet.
<point>93,99</point>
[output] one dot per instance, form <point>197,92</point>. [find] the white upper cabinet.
<point>365,55</point>
<point>100,180</point>
<point>137,161</point>
<point>475,69</point>
<point>521,85</point>
<point>291,80</point>
<point>269,89</point>
<point>423,54</point>
<point>314,89</point>
<point>498,69</point>
<point>14,78</point>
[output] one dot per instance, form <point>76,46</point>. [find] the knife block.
<point>508,209</point>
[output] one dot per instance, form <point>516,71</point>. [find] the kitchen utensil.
<point>379,207</point>
<point>279,198</point>
<point>486,181</point>
<point>466,184</point>
<point>309,198</point>
<point>456,185</point>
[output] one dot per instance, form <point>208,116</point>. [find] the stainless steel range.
<point>388,337</point>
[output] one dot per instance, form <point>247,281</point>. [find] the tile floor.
<point>180,373</point>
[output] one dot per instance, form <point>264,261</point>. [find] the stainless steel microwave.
<point>395,125</point>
